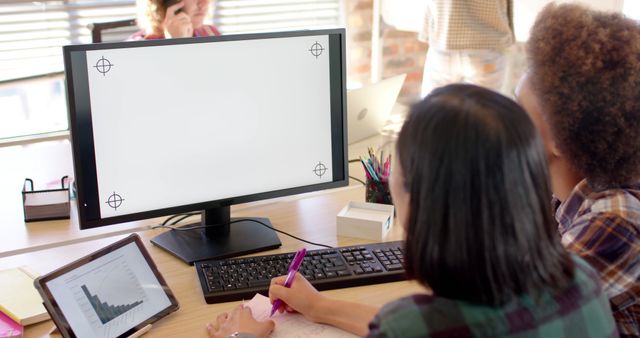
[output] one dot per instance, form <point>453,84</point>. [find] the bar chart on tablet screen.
<point>109,295</point>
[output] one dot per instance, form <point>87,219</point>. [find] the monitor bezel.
<point>82,134</point>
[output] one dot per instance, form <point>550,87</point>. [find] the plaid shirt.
<point>580,310</point>
<point>468,24</point>
<point>603,227</point>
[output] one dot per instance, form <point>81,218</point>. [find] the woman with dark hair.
<point>470,187</point>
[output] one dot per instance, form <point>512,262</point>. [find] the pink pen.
<point>293,268</point>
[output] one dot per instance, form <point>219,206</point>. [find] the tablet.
<point>110,293</point>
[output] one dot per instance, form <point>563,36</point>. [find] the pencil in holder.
<point>378,191</point>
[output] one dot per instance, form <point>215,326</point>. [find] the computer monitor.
<point>199,124</point>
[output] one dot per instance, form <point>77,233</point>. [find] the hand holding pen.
<point>293,268</point>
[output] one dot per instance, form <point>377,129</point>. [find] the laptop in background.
<point>368,108</point>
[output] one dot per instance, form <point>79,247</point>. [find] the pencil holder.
<point>378,192</point>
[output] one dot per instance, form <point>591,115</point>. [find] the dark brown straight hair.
<point>480,225</point>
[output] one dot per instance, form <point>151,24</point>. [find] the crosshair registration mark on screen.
<point>115,201</point>
<point>316,49</point>
<point>103,66</point>
<point>320,169</point>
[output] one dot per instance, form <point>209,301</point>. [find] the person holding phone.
<point>470,187</point>
<point>160,19</point>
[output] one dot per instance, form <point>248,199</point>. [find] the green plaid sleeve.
<point>579,310</point>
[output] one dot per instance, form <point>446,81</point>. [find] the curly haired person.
<point>583,93</point>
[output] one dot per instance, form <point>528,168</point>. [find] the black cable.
<point>357,179</point>
<point>184,216</point>
<point>236,221</point>
<point>178,215</point>
<point>354,160</point>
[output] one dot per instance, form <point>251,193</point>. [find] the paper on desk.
<point>292,325</point>
<point>46,197</point>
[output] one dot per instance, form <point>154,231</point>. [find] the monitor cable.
<point>357,179</point>
<point>181,217</point>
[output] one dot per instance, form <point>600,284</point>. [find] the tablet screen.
<point>109,295</point>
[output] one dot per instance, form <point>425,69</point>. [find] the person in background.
<point>468,40</point>
<point>583,93</point>
<point>470,188</point>
<point>160,19</point>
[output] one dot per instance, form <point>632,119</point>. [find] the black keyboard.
<point>241,278</point>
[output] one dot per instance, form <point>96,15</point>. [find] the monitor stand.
<point>220,239</point>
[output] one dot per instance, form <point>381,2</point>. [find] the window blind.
<point>33,32</point>
<point>241,16</point>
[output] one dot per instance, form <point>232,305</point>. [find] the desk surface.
<point>311,216</point>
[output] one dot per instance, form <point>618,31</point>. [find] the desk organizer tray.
<point>42,205</point>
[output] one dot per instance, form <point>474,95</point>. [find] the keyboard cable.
<point>181,217</point>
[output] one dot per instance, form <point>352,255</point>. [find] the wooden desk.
<point>312,217</point>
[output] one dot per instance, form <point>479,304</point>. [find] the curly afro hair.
<point>585,70</point>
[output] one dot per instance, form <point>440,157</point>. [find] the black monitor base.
<point>243,238</point>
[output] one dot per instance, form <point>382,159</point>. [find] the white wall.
<point>405,15</point>
<point>632,9</point>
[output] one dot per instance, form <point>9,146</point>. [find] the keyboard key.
<point>392,267</point>
<point>335,268</point>
<point>343,273</point>
<point>215,287</point>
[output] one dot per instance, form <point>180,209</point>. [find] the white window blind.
<point>33,32</point>
<point>241,16</point>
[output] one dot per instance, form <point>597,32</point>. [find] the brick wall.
<point>359,14</point>
<point>401,51</point>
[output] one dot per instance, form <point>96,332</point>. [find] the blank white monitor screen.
<point>174,126</point>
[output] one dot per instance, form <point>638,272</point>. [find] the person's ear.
<point>555,151</point>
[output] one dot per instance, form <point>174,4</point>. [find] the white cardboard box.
<point>365,220</point>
